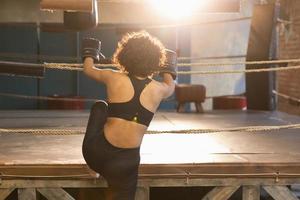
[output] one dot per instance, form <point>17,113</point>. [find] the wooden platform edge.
<point>224,187</point>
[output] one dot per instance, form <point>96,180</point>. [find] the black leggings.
<point>119,166</point>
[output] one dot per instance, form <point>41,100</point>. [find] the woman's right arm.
<point>168,85</point>
<point>168,73</point>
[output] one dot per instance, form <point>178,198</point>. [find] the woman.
<point>116,129</point>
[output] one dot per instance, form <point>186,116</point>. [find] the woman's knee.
<point>97,118</point>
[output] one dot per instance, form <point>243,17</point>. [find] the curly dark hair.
<point>139,53</point>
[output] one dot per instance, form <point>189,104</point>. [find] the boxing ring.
<point>48,163</point>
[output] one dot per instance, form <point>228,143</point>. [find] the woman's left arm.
<point>101,75</point>
<point>91,50</point>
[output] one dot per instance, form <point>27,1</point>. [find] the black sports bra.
<point>133,109</point>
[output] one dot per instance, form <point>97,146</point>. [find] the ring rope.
<point>149,26</point>
<point>43,131</point>
<point>286,96</point>
<point>39,57</point>
<point>233,129</point>
<point>94,100</point>
<point>239,63</point>
<point>59,98</point>
<point>240,71</point>
<point>64,66</point>
<point>68,67</point>
<point>46,98</point>
<point>76,59</point>
<point>198,64</point>
<point>179,131</point>
<point>234,57</point>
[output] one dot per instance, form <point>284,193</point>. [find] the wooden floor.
<point>162,154</point>
<point>227,161</point>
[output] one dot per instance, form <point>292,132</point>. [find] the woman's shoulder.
<point>117,74</point>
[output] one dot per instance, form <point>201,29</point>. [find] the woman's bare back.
<point>123,133</point>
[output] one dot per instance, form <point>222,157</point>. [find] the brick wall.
<point>288,82</point>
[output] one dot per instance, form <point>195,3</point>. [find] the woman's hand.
<point>91,47</point>
<point>169,70</point>
<point>170,64</point>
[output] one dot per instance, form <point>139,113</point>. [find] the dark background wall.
<point>21,42</point>
<point>17,39</point>
<point>289,48</point>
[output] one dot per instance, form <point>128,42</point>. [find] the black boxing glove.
<point>91,47</point>
<point>170,64</point>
